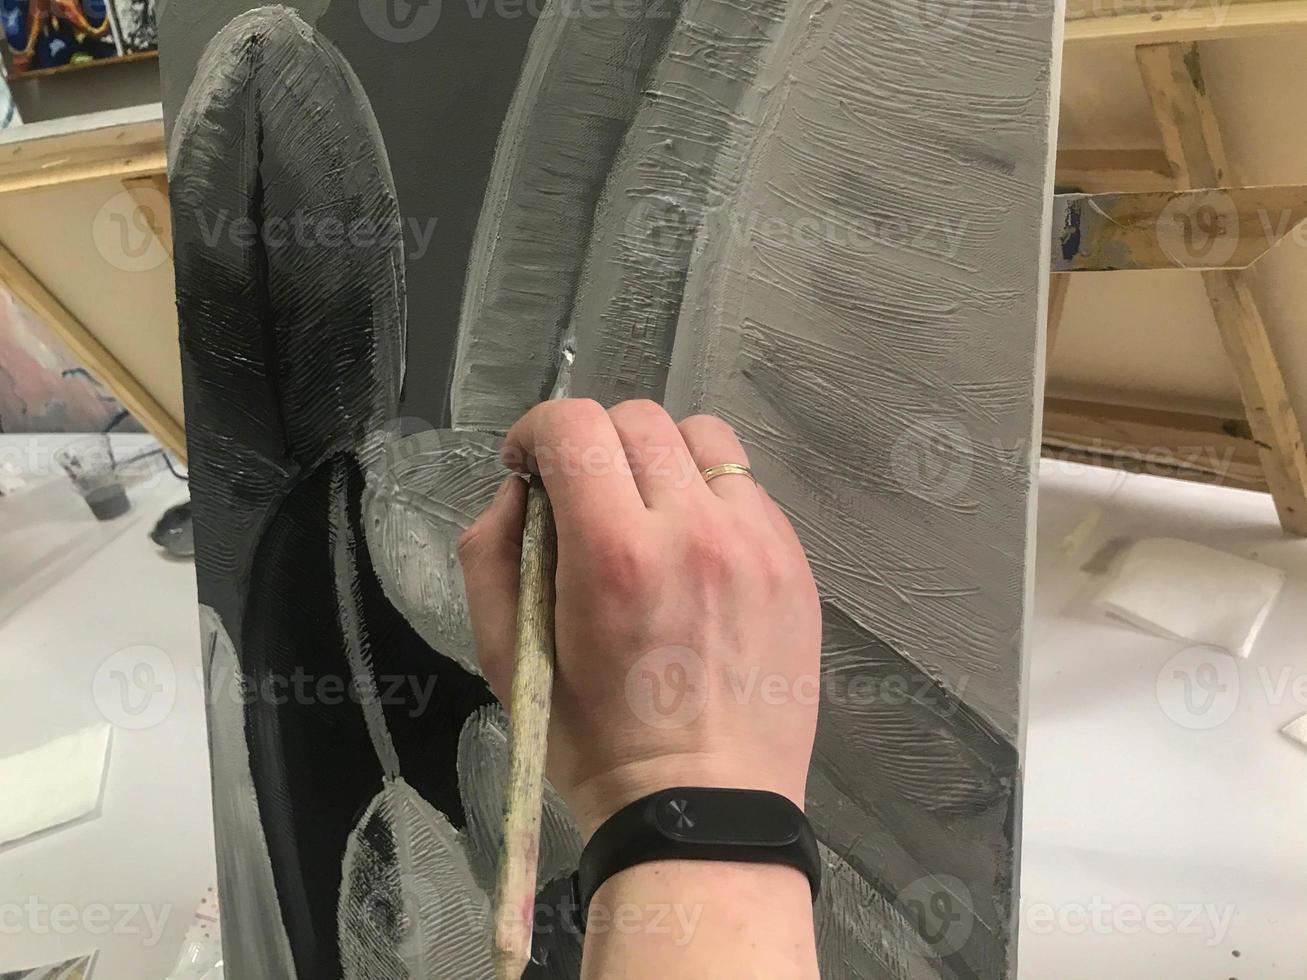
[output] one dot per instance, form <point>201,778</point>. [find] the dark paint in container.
<point>109,502</point>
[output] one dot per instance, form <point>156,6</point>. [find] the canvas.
<point>822,221</point>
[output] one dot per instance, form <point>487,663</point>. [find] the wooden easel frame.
<point>1194,157</point>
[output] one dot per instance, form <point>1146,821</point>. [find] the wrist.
<point>703,912</point>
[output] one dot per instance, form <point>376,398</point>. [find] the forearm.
<point>701,919</point>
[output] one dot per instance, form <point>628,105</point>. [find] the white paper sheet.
<point>1191,592</point>
<point>53,784</point>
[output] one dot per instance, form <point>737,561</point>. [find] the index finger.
<point>572,445</point>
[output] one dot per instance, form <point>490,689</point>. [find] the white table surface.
<point>1156,846</point>
<point>147,858</point>
<point>1151,849</point>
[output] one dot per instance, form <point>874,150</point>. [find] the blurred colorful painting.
<point>50,34</point>
<point>43,388</point>
<point>138,28</point>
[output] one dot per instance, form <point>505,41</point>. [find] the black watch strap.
<point>699,824</point>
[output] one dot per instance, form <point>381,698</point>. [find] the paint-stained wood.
<point>97,358</point>
<point>1171,21</point>
<point>1193,229</point>
<point>1265,395</point>
<point>1099,171</point>
<point>533,687</point>
<point>1201,448</point>
<point>1191,136</point>
<point>1174,80</point>
<point>151,197</point>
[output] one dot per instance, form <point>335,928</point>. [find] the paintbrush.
<point>533,686</point>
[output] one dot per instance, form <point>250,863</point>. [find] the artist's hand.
<point>687,623</point>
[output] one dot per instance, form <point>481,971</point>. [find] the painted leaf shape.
<point>409,906</point>
<point>482,777</point>
<point>579,88</point>
<point>690,123</point>
<point>423,491</point>
<point>245,871</point>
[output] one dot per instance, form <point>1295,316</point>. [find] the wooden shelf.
<point>123,59</point>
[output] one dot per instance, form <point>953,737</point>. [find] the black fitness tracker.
<point>699,824</point>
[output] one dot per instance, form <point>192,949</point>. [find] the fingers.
<point>490,552</point>
<point>661,465</point>
<point>574,447</point>
<point>712,442</point>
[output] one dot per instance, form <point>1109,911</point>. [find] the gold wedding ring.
<point>727,469</point>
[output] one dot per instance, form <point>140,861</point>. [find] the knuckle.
<point>629,566</point>
<point>713,553</point>
<point>773,570</point>
<point>571,412</point>
<point>709,557</point>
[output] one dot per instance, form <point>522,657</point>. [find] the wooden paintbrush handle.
<point>533,684</point>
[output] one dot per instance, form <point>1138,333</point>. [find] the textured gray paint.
<point>409,906</point>
<point>423,492</point>
<point>482,779</point>
<point>580,88</point>
<point>244,870</point>
<point>659,191</point>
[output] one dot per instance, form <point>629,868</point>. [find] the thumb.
<point>490,552</point>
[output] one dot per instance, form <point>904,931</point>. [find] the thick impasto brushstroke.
<point>423,492</point>
<point>586,67</point>
<point>409,907</point>
<point>661,187</point>
<point>861,934</point>
<point>244,869</point>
